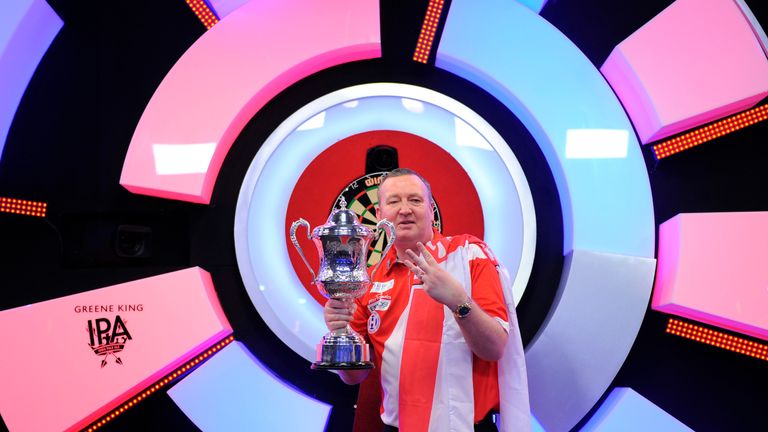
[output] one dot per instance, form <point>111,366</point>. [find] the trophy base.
<point>342,366</point>
<point>343,350</point>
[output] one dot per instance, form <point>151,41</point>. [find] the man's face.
<point>404,201</point>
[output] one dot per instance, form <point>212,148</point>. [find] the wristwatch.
<point>463,309</point>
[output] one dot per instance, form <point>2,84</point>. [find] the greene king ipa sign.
<point>108,333</point>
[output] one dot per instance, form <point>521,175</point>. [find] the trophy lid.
<point>342,222</point>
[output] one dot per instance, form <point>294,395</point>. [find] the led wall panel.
<point>27,28</point>
<point>695,62</point>
<point>712,269</point>
<point>23,207</point>
<point>228,75</point>
<point>70,360</point>
<point>428,29</point>
<point>709,132</point>
<point>717,339</point>
<point>233,391</point>
<point>203,12</point>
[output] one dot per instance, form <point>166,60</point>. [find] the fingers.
<point>428,258</point>
<point>340,303</point>
<point>421,264</point>
<point>415,269</point>
<point>338,313</point>
<point>416,260</point>
<point>425,258</point>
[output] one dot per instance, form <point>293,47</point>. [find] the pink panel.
<point>52,379</point>
<point>697,61</point>
<point>228,75</point>
<point>712,268</point>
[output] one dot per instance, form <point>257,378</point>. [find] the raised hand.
<point>437,282</point>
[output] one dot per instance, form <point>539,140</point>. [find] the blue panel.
<point>624,410</point>
<point>223,8</point>
<point>232,391</point>
<point>27,28</point>
<point>534,5</point>
<point>550,85</point>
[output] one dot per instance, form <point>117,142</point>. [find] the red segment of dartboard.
<point>332,171</point>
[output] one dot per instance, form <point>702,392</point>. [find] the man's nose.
<point>405,209</point>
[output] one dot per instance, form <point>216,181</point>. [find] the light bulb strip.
<point>203,12</point>
<point>160,384</point>
<point>428,30</point>
<point>717,339</point>
<point>710,132</point>
<point>23,207</point>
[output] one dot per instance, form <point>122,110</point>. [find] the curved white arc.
<point>572,360</point>
<point>285,309</point>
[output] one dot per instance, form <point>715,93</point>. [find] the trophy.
<point>342,245</point>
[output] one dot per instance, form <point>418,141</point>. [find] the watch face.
<point>463,310</point>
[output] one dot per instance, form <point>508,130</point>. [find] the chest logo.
<point>380,303</point>
<point>380,287</point>
<point>374,321</point>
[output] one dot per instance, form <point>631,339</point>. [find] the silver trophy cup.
<point>342,246</point>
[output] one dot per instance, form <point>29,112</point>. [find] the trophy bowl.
<point>342,246</point>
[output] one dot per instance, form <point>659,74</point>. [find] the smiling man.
<point>438,322</point>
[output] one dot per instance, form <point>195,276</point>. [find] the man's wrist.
<point>463,309</point>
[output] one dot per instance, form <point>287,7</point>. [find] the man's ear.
<point>432,211</point>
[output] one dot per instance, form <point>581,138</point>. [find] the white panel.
<point>625,410</point>
<point>582,344</point>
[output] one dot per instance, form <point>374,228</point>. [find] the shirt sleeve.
<point>486,286</point>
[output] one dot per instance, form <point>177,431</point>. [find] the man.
<point>437,320</point>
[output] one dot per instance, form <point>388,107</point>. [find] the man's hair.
<point>399,172</point>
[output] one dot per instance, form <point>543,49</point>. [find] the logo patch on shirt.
<point>380,303</point>
<point>374,321</point>
<point>380,287</point>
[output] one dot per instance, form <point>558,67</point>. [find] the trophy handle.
<point>391,231</point>
<point>294,227</point>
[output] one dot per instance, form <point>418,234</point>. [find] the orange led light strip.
<point>428,30</point>
<point>23,207</point>
<point>160,384</point>
<point>718,339</point>
<point>203,12</point>
<point>710,132</point>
